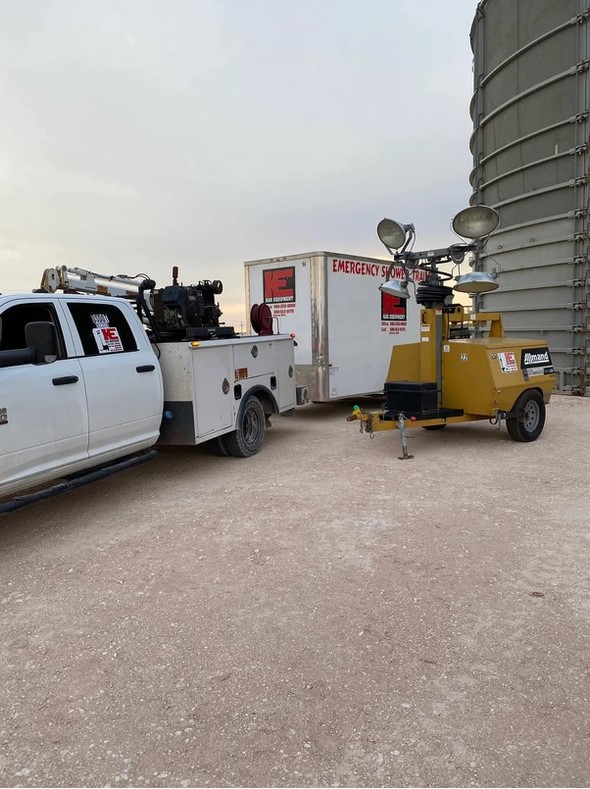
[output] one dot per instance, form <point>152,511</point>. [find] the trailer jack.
<point>403,433</point>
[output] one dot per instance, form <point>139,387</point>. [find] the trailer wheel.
<point>247,439</point>
<point>216,446</point>
<point>434,427</point>
<point>531,424</point>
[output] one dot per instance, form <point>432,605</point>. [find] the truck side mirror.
<point>42,337</point>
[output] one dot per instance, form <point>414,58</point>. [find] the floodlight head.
<point>476,222</point>
<point>392,234</point>
<point>476,282</point>
<point>396,287</point>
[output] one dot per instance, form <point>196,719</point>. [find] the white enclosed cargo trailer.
<point>343,325</point>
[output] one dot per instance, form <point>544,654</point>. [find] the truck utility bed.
<point>204,383</point>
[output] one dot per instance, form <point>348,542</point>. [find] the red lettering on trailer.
<point>364,269</point>
<point>358,267</point>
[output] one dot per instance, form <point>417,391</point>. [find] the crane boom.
<point>172,313</point>
<point>80,280</point>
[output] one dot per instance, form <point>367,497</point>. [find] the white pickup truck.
<point>90,383</point>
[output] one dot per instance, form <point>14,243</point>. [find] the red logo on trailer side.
<point>393,308</point>
<point>278,285</point>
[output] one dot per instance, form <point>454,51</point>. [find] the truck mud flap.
<point>76,481</point>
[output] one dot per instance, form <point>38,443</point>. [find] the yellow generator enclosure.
<point>456,372</point>
<point>487,375</point>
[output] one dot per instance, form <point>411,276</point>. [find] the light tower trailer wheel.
<point>530,420</point>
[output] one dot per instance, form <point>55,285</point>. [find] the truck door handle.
<point>145,368</point>
<point>65,379</point>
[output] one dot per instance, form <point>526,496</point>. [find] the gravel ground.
<point>320,615</point>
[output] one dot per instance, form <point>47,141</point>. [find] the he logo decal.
<point>279,285</point>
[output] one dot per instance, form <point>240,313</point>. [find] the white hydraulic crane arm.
<point>82,280</point>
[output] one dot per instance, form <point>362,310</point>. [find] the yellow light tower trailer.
<point>463,368</point>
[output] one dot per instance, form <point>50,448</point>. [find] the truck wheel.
<point>533,420</point>
<point>247,439</point>
<point>217,447</point>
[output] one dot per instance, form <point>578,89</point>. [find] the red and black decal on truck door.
<point>278,285</point>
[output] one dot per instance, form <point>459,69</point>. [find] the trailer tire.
<point>530,427</point>
<point>248,437</point>
<point>216,446</point>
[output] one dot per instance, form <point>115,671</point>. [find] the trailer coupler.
<point>370,422</point>
<point>366,420</point>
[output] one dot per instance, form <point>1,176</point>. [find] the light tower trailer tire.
<point>529,420</point>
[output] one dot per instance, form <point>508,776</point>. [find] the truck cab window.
<point>103,329</point>
<point>14,322</point>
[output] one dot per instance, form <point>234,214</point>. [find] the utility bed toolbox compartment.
<point>205,383</point>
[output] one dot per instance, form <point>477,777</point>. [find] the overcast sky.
<point>141,134</point>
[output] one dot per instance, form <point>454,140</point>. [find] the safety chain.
<point>367,425</point>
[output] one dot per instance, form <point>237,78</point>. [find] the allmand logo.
<point>536,358</point>
<point>533,358</point>
<point>279,285</point>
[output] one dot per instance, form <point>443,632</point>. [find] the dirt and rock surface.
<point>320,615</point>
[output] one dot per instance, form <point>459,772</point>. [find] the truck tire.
<point>217,447</point>
<point>248,437</point>
<point>530,427</point>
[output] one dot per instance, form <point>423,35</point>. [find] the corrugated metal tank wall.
<point>530,151</point>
